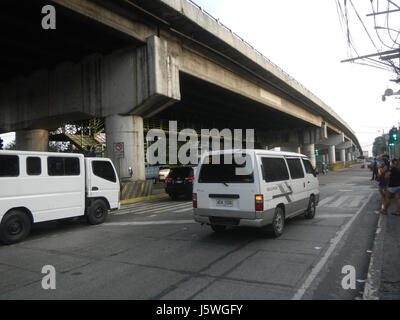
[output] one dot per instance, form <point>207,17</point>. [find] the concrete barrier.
<point>135,189</point>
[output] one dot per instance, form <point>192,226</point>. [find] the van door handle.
<point>95,189</point>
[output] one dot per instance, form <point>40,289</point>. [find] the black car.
<point>179,182</point>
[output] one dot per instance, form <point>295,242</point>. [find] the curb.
<point>371,290</point>
<point>152,197</point>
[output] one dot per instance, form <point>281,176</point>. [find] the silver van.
<point>255,188</point>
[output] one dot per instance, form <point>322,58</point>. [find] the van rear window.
<point>9,166</point>
<point>220,173</point>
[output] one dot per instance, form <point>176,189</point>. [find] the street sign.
<point>119,150</point>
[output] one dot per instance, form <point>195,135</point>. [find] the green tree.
<point>379,146</point>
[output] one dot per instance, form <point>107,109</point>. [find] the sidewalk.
<point>383,281</point>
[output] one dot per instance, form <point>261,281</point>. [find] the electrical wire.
<point>343,14</point>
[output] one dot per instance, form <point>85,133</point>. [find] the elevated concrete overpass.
<point>129,60</point>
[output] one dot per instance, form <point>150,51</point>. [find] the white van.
<point>43,186</point>
<point>261,188</point>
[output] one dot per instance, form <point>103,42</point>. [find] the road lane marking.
<point>321,263</point>
<point>155,205</point>
<point>184,210</point>
<point>147,223</point>
<point>333,216</point>
<point>153,209</point>
<point>324,201</point>
<point>338,202</point>
<point>356,201</point>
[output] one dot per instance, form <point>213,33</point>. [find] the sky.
<point>305,39</point>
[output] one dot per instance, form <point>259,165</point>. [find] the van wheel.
<point>217,228</point>
<point>278,222</point>
<point>14,227</point>
<point>97,212</point>
<point>310,213</point>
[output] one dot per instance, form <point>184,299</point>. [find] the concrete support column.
<point>332,154</point>
<point>309,151</point>
<point>342,155</point>
<point>125,145</point>
<point>32,140</point>
<point>349,156</point>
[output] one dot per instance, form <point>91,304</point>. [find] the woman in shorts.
<point>393,176</point>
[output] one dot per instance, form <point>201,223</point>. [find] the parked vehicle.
<point>179,182</point>
<point>151,173</point>
<point>163,173</point>
<point>43,186</point>
<point>265,190</point>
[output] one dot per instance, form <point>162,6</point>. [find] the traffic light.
<point>395,134</point>
<point>316,152</point>
<point>1,144</point>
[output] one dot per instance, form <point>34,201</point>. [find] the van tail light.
<point>194,199</point>
<point>189,178</point>
<point>168,179</point>
<point>259,202</point>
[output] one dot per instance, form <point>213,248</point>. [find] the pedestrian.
<point>87,153</point>
<point>93,152</point>
<point>383,182</point>
<point>90,153</point>
<point>324,168</point>
<point>374,170</point>
<point>393,175</point>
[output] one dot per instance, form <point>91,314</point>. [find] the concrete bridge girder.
<point>345,145</point>
<point>132,82</point>
<point>139,81</point>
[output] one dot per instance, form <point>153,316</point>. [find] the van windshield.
<point>226,173</point>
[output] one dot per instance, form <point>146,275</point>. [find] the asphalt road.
<point>154,250</point>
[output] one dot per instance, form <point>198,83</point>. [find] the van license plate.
<point>224,203</point>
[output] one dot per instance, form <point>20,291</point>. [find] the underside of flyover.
<point>214,107</point>
<point>29,48</point>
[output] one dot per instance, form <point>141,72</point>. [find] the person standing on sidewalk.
<point>374,170</point>
<point>383,182</point>
<point>393,188</point>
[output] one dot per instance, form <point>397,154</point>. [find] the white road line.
<point>356,201</point>
<point>333,216</point>
<point>324,201</point>
<point>147,223</point>
<point>154,205</point>
<point>143,203</point>
<point>338,202</point>
<point>184,210</point>
<point>152,209</point>
<point>321,263</point>
<point>155,211</point>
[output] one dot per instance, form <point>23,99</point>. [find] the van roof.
<point>257,152</point>
<point>39,153</point>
